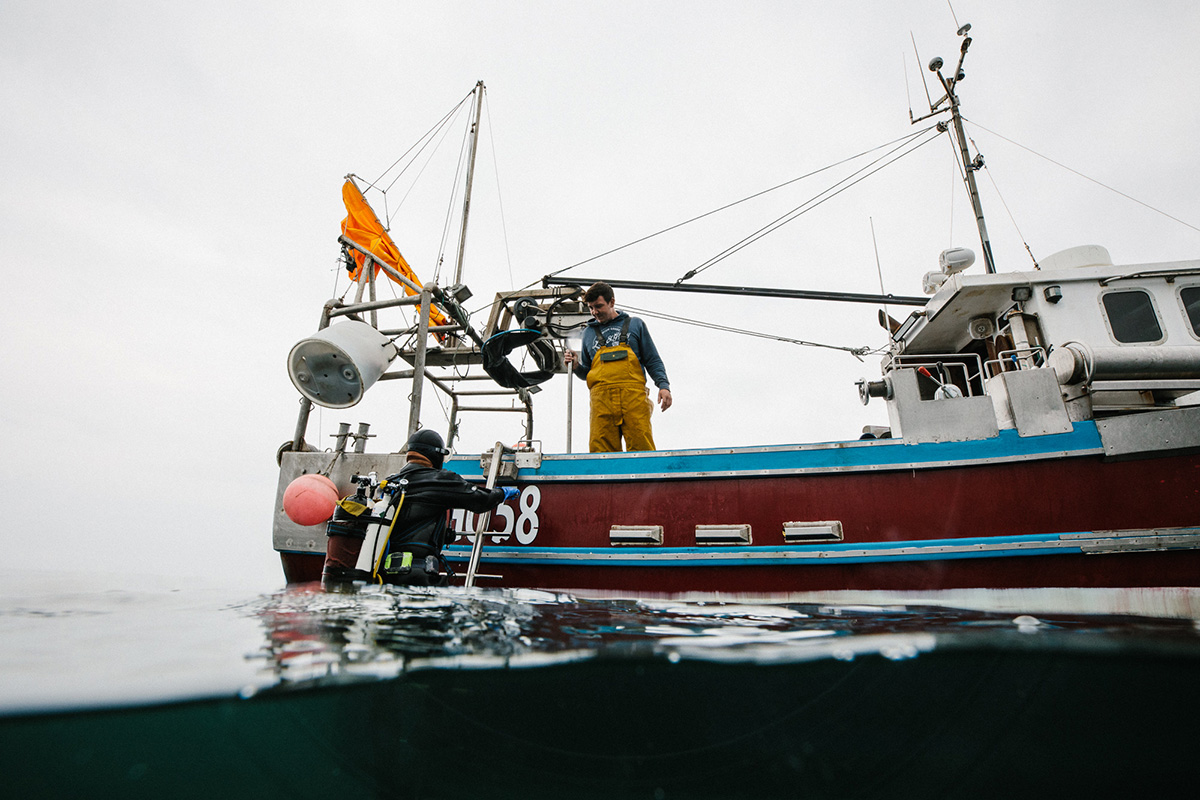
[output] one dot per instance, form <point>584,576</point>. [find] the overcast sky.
<point>170,204</point>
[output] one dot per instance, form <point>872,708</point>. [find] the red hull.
<point>1123,570</point>
<point>966,502</point>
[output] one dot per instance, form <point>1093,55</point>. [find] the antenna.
<point>960,32</point>
<point>969,165</point>
<point>928,98</point>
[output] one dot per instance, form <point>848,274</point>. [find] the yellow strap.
<point>353,508</point>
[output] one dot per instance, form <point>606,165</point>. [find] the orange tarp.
<point>362,227</point>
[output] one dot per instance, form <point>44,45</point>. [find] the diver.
<point>424,494</point>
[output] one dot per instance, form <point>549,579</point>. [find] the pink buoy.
<point>310,500</point>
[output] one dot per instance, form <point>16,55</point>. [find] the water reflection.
<point>382,632</point>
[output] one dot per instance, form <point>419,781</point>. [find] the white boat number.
<point>524,525</point>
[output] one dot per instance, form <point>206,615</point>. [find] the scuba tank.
<point>354,521</point>
<point>348,517</point>
<point>379,526</point>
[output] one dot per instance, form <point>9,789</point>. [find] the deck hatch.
<point>722,534</point>
<point>635,534</point>
<point>823,531</point>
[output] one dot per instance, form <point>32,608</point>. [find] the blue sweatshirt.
<point>608,334</point>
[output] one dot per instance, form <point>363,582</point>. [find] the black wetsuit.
<point>423,522</point>
<point>421,529</point>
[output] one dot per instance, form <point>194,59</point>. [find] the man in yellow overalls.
<point>616,354</point>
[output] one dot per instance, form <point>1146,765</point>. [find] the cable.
<point>428,133</point>
<point>463,148</point>
<point>1008,210</point>
<point>1085,177</point>
<point>857,352</point>
<point>738,202</point>
<point>499,194</point>
<point>808,205</point>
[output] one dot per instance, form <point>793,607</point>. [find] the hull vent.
<point>722,534</point>
<point>635,534</point>
<point>825,531</point>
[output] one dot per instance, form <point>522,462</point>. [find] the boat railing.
<point>964,370</point>
<point>1014,360</point>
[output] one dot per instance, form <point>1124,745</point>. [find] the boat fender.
<point>501,370</point>
<point>310,499</point>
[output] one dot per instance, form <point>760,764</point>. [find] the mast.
<point>462,236</point>
<point>969,165</point>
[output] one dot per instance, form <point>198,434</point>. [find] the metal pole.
<point>969,171</point>
<point>391,272</point>
<point>343,432</point>
<point>371,282</point>
<point>744,291</point>
<point>462,235</point>
<point>484,519</point>
<point>968,165</point>
<point>362,279</point>
<point>414,411</point>
<point>301,424</point>
<point>360,438</point>
<point>570,413</point>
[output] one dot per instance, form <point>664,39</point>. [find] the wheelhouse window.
<point>1131,317</point>
<point>1190,295</point>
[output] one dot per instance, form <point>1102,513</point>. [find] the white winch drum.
<point>335,367</point>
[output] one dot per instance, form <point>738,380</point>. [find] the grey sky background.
<point>170,204</point>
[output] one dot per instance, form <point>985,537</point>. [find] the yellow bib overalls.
<point>621,404</point>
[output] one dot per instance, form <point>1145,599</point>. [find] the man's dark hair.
<point>597,290</point>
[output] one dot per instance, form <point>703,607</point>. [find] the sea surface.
<point>166,688</point>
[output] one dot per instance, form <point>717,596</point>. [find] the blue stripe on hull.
<point>831,554</point>
<point>867,455</point>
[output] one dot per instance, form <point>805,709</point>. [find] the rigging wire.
<point>957,180</point>
<point>878,266</point>
<point>1008,210</point>
<point>904,138</point>
<point>428,134</point>
<point>463,148</point>
<point>812,203</point>
<point>1086,177</point>
<point>857,352</point>
<point>499,195</point>
<point>413,185</point>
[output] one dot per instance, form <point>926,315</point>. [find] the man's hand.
<point>664,398</point>
<point>570,357</point>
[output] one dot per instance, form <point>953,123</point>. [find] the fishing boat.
<point>1044,431</point>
